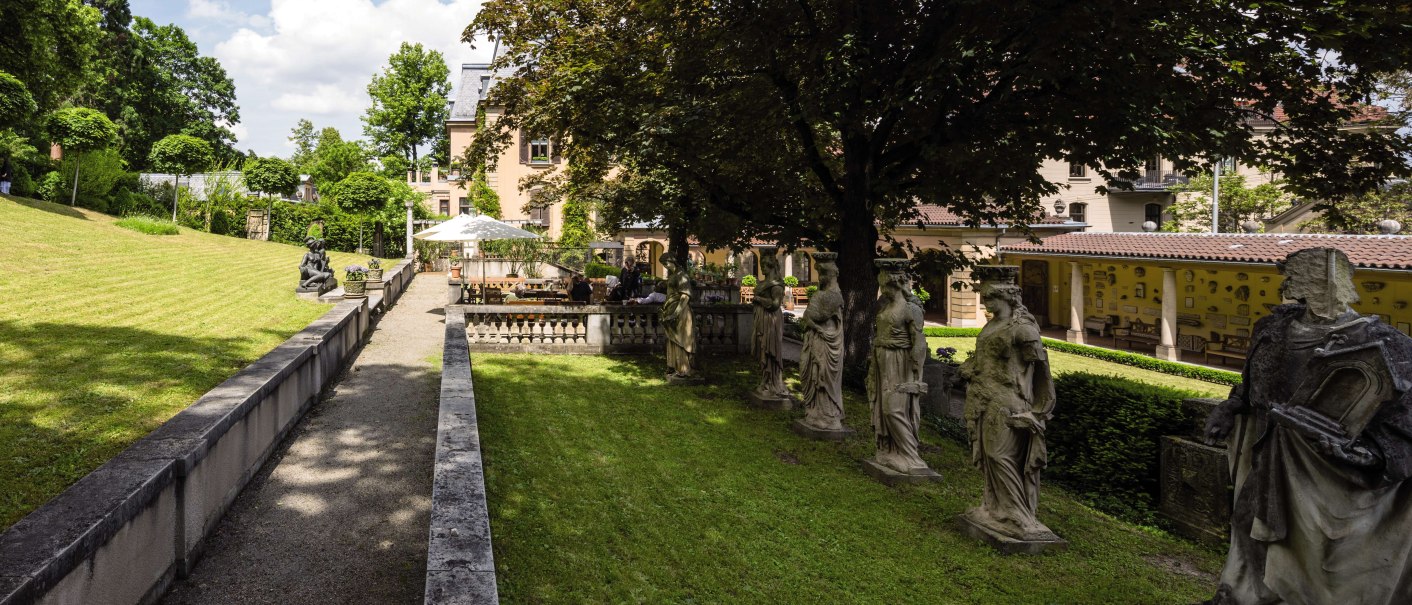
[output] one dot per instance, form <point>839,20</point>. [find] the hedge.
<point>1105,440</point>
<point>1129,359</point>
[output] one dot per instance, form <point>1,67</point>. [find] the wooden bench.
<point>1230,347</point>
<point>1138,332</point>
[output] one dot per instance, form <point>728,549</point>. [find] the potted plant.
<point>374,270</point>
<point>355,281</point>
<point>455,267</point>
<point>790,283</point>
<point>809,293</point>
<point>747,287</point>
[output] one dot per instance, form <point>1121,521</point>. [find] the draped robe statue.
<point>1008,399</point>
<point>821,360</point>
<point>1323,509</point>
<point>895,385</point>
<point>767,338</point>
<point>679,323</point>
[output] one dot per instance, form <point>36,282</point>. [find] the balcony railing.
<point>1156,180</point>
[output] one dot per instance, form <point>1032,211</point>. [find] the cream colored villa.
<point>447,189</point>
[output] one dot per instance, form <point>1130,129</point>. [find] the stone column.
<point>1076,303</point>
<point>409,231</point>
<point>788,264</point>
<point>411,176</point>
<point>1168,349</point>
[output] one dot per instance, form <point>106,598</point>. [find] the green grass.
<point>1060,362</point>
<point>106,332</point>
<point>150,225</point>
<point>607,486</point>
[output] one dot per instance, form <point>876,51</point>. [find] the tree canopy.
<point>826,122</point>
<point>362,193</point>
<point>1239,203</point>
<point>48,45</point>
<point>270,175</point>
<point>181,154</point>
<point>334,159</point>
<point>16,104</point>
<point>1360,214</point>
<point>408,101</point>
<point>80,129</point>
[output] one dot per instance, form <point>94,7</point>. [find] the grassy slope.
<point>1067,362</point>
<point>606,486</point>
<point>106,332</point>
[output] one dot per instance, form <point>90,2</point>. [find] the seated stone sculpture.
<point>314,271</point>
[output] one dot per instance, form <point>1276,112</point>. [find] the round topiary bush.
<point>749,281</point>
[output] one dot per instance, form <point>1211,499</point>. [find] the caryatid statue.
<point>1009,398</point>
<point>895,385</point>
<point>1319,435</point>
<point>679,324</point>
<point>821,360</point>
<point>767,338</point>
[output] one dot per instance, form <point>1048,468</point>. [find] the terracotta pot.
<point>456,271</point>
<point>355,289</point>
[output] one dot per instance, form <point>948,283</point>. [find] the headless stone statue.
<point>821,360</point>
<point>1008,400</point>
<point>315,275</point>
<point>679,324</point>
<point>895,385</point>
<point>767,338</point>
<point>1319,434</point>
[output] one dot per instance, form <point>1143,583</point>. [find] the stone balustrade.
<point>597,329</point>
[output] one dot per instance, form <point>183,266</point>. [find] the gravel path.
<point>340,514</point>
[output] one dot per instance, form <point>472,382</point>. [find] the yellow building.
<point>1197,293</point>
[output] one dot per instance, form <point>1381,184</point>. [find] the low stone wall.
<point>596,329</point>
<point>460,562</point>
<point>123,533</point>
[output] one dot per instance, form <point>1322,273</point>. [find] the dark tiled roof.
<point>1369,251</point>
<point>469,93</point>
<point>933,214</point>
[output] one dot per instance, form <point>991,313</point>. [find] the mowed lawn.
<point>1060,362</point>
<point>106,332</point>
<point>606,485</point>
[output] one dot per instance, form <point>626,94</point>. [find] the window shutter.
<point>524,148</point>
<point>554,152</point>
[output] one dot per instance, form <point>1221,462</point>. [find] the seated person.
<point>581,291</point>
<point>657,297</point>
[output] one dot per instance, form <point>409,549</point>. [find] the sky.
<point>313,59</point>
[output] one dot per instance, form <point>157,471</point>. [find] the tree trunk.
<point>73,199</point>
<point>677,245</point>
<point>176,194</point>
<point>857,278</point>
<point>377,240</point>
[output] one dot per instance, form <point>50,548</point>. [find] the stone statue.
<point>314,271</point>
<point>1008,400</point>
<point>895,385</point>
<point>1319,435</point>
<point>821,360</point>
<point>679,324</point>
<point>767,339</point>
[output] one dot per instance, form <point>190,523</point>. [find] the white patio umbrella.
<point>458,221</point>
<point>477,229</point>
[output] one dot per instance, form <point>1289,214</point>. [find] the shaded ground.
<point>607,486</point>
<point>341,515</point>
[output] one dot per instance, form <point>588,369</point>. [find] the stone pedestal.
<point>332,296</point>
<point>1007,545</point>
<point>684,380</point>
<point>317,292</point>
<point>804,430</point>
<point>784,404</point>
<point>375,285</point>
<point>1074,336</point>
<point>891,477</point>
<point>1196,490</point>
<point>1169,353</point>
<point>939,400</point>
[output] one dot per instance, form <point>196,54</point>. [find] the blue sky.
<point>312,59</point>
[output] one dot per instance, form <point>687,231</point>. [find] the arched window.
<point>801,266</point>
<point>1153,212</point>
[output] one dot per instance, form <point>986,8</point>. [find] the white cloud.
<point>313,58</point>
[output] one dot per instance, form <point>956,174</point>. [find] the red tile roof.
<point>934,215</point>
<point>1368,251</point>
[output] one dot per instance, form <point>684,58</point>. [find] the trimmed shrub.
<point>1105,438</point>
<point>1136,360</point>
<point>749,281</point>
<point>599,270</point>
<point>791,281</point>
<point>150,225</point>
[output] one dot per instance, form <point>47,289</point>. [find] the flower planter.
<point>455,271</point>
<point>374,274</point>
<point>355,289</point>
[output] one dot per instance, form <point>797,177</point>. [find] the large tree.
<point>409,101</point>
<point>48,45</point>
<point>826,121</point>
<point>334,159</point>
